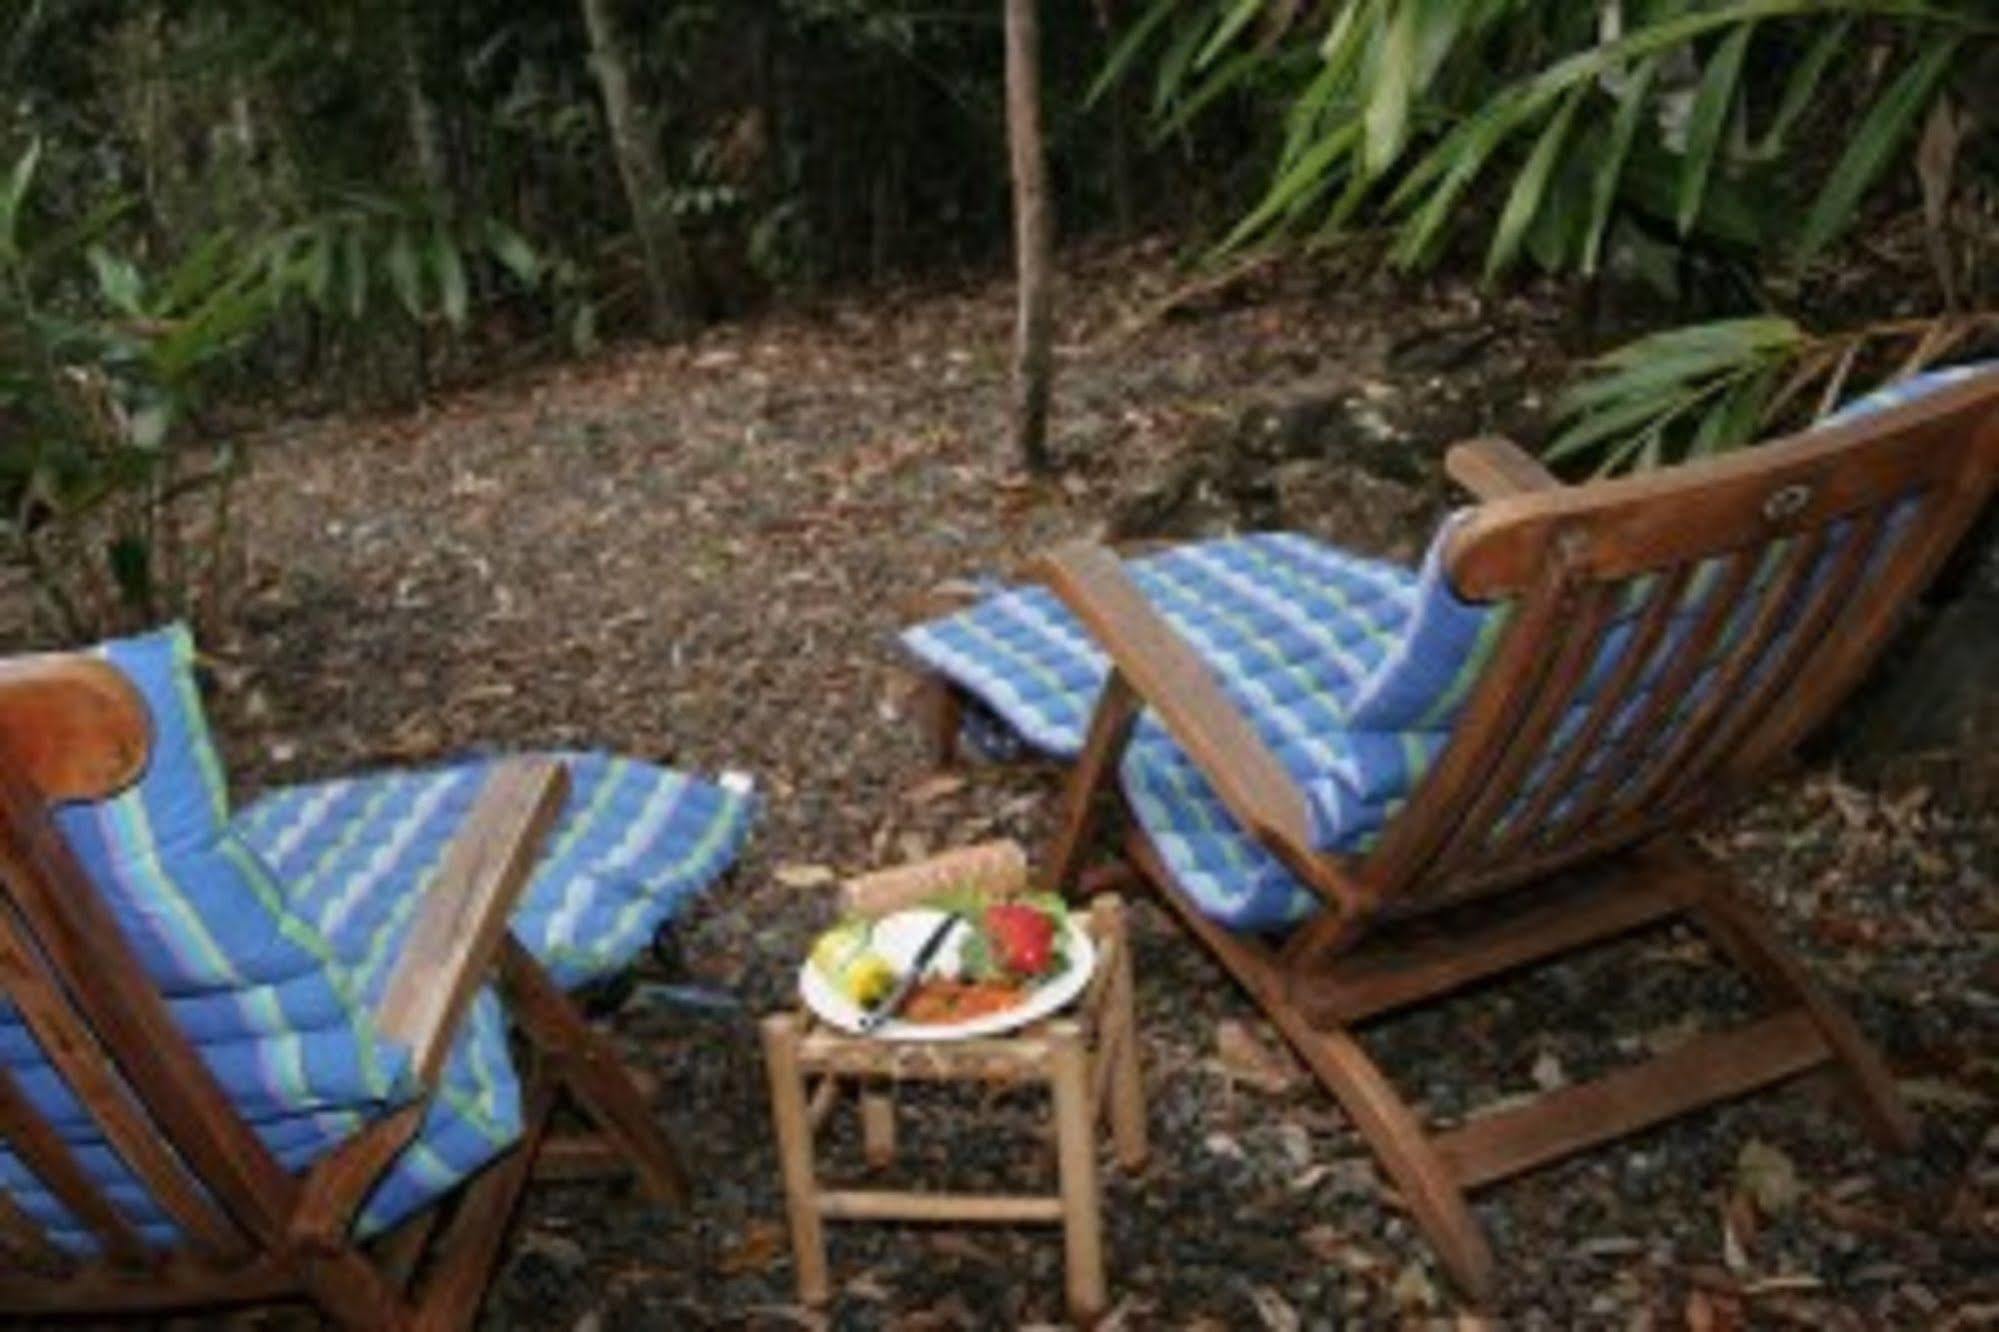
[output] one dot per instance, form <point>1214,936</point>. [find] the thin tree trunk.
<point>421,111</point>
<point>661,248</point>
<point>1033,365</point>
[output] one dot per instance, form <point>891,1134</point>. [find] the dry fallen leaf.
<point>761,1245</point>
<point>1325,1243</point>
<point>803,876</point>
<point>935,788</point>
<point>1768,1176</point>
<point>1738,1232</point>
<point>1247,1059</point>
<point>1276,1313</point>
<point>1413,1289</point>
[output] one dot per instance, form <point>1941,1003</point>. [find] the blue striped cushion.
<point>273,933</point>
<point>1351,670</point>
<point>1306,639</point>
<point>634,842</point>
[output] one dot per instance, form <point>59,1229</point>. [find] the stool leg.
<point>1120,1032</point>
<point>1076,1161</point>
<point>794,1154</point>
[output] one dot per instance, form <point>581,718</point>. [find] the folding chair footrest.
<point>1715,1067</point>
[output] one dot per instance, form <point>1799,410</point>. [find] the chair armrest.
<point>73,726</point>
<point>464,913</point>
<point>1163,670</point>
<point>1493,468</point>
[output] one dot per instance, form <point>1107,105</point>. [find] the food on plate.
<point>1000,952</point>
<point>1023,937</point>
<point>937,999</point>
<point>1018,939</point>
<point>845,957</point>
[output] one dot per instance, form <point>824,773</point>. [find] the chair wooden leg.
<point>1406,1152</point>
<point>592,1073</point>
<point>349,1290</point>
<point>402,1251</point>
<point>1741,931</point>
<point>1110,727</point>
<point>942,709</point>
<point>1382,1117</point>
<point>470,1244</point>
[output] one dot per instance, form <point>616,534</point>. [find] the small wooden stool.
<point>1089,1060</point>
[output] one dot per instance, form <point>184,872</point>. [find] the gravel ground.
<point>700,555</point>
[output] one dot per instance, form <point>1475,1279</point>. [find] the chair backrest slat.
<point>73,1049</point>
<point>1772,646</point>
<point>1931,528</point>
<point>98,1018</point>
<point>24,1242</point>
<point>1670,637</point>
<point>1823,603</point>
<point>1670,671</point>
<point>1557,788</point>
<point>42,1151</point>
<point>1411,841</point>
<point>1590,614</point>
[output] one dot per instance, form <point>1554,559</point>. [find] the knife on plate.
<point>892,1003</point>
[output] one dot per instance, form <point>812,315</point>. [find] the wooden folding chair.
<point>72,728</point>
<point>1764,583</point>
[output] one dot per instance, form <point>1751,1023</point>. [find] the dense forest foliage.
<point>209,204</point>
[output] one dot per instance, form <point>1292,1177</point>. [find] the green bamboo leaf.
<point>1174,65</point>
<point>1442,21</point>
<point>1610,167</point>
<point>18,181</point>
<point>1645,385</point>
<point>1450,167</point>
<point>1734,418</point>
<point>405,275</point>
<point>1230,74</point>
<point>1712,105</point>
<point>198,274</point>
<point>1394,80</point>
<point>1524,200</point>
<point>1297,187</point>
<point>118,282</point>
<point>1128,47</point>
<point>449,266</point>
<point>354,268</point>
<point>1304,122</point>
<point>1458,161</point>
<point>22,176</point>
<point>1232,24</point>
<point>1661,375</point>
<point>1720,337</point>
<point>1598,427</point>
<point>1345,39</point>
<point>317,267</point>
<point>1804,81</point>
<point>1868,152</point>
<point>513,251</point>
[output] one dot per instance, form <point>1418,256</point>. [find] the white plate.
<point>898,937</point>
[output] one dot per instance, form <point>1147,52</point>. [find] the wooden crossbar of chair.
<point>1754,591</point>
<point>72,728</point>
